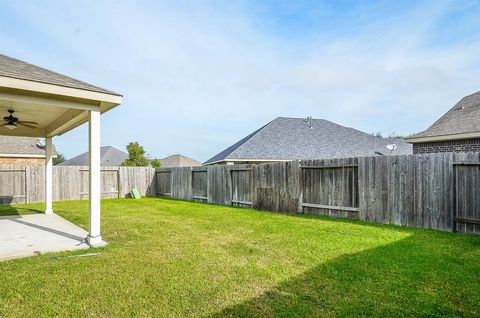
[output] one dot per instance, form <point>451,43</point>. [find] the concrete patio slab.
<point>28,235</point>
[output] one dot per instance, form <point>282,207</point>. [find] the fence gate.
<point>330,189</point>
<point>13,186</point>
<point>164,183</point>
<point>242,187</point>
<point>199,184</point>
<point>466,214</point>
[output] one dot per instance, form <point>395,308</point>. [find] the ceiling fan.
<point>13,122</point>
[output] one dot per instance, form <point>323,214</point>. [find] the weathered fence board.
<point>467,198</point>
<point>413,190</point>
<point>219,185</point>
<point>164,182</point>
<point>199,184</point>
<point>13,185</point>
<point>330,187</point>
<point>26,184</point>
<point>276,186</point>
<point>109,181</point>
<point>242,186</point>
<point>181,183</point>
<point>141,178</point>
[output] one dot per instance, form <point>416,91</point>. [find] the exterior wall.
<point>461,145</point>
<point>22,161</point>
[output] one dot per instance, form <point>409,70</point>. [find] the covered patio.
<point>36,102</point>
<point>35,234</point>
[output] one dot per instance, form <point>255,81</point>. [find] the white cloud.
<point>198,77</point>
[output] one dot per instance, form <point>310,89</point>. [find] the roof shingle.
<point>462,118</point>
<point>294,138</point>
<point>109,156</point>
<point>10,67</point>
<point>178,161</point>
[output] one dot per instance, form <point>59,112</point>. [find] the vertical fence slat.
<point>410,190</point>
<point>407,190</point>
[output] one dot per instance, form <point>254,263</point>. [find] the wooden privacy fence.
<point>13,185</point>
<point>27,184</point>
<point>437,191</point>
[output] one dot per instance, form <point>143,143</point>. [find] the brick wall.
<point>22,161</point>
<point>465,145</point>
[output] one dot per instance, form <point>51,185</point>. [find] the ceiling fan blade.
<point>27,122</point>
<point>21,123</point>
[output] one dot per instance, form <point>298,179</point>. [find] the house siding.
<point>461,145</point>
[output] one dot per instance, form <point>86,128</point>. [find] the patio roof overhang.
<point>56,109</point>
<point>57,104</point>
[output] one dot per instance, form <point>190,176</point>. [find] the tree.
<point>396,136</point>
<point>156,163</point>
<point>59,159</point>
<point>136,156</point>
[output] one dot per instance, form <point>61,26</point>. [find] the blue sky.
<point>199,75</point>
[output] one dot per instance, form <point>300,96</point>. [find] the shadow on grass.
<point>410,277</point>
<point>337,219</point>
<point>6,210</point>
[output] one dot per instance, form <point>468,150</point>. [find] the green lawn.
<point>171,258</point>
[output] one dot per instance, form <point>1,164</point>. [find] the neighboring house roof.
<point>21,147</point>
<point>178,161</point>
<point>10,67</point>
<point>297,138</point>
<point>462,121</point>
<point>109,156</point>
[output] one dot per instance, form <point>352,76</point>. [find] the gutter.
<point>471,135</point>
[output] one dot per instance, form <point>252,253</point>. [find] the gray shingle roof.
<point>109,156</point>
<point>21,146</point>
<point>179,161</point>
<point>293,138</point>
<point>462,118</point>
<point>14,68</point>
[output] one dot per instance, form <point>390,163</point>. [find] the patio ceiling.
<point>56,102</point>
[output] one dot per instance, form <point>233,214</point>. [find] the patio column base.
<point>95,241</point>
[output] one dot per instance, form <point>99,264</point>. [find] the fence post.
<point>300,188</point>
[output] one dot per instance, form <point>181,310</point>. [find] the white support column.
<point>48,175</point>
<point>94,236</point>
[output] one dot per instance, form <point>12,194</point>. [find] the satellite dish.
<point>391,147</point>
<point>40,143</point>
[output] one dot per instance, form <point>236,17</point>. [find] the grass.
<point>171,258</point>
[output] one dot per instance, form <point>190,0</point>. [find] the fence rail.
<point>437,191</point>
<point>26,184</point>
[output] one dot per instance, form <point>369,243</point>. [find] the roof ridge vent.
<point>309,122</point>
<point>460,107</point>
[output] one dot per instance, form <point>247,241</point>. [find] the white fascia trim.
<point>444,137</point>
<point>41,101</point>
<point>16,83</point>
